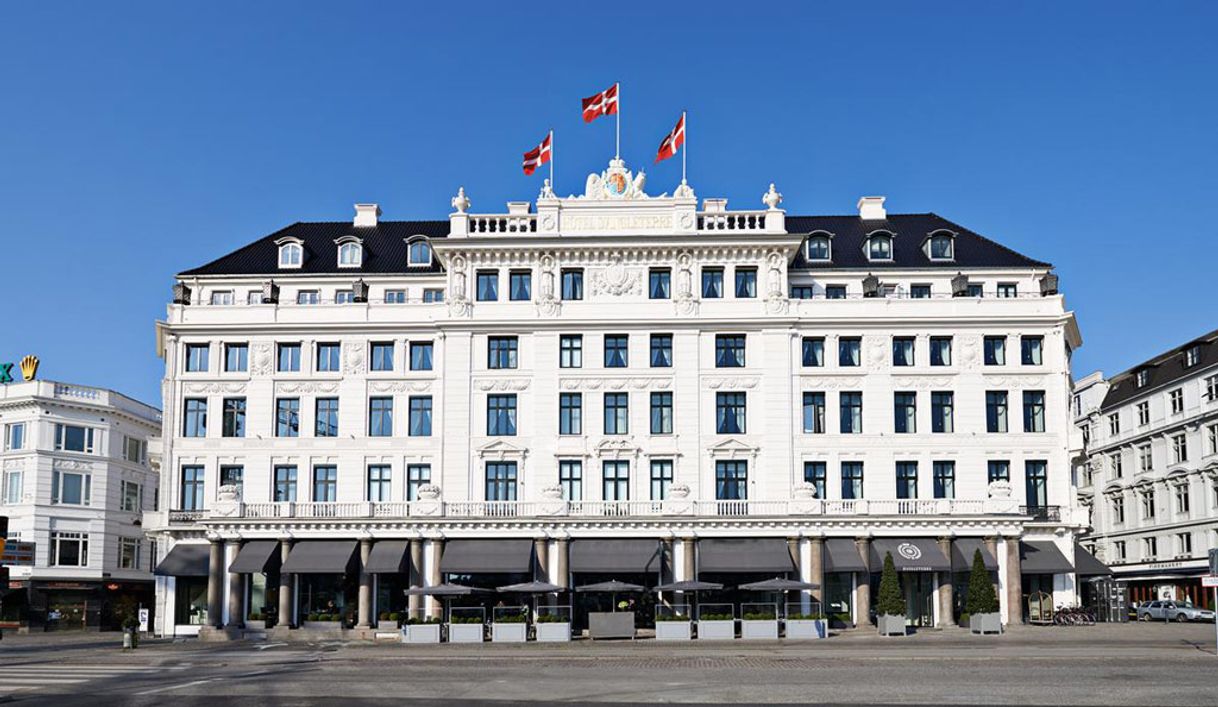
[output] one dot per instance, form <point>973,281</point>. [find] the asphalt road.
<point>1134,664</point>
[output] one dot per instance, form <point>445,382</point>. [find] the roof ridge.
<point>243,248</point>
<point>991,241</point>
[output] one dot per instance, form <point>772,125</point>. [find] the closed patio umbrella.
<point>779,584</point>
<point>445,590</point>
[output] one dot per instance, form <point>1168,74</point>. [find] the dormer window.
<point>1141,378</point>
<point>879,247</point>
<point>1191,356</point>
<point>350,255</point>
<point>291,255</point>
<point>941,247</point>
<point>817,249</point>
<point>419,253</point>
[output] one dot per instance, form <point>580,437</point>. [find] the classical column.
<point>416,577</point>
<point>1014,582</point>
<point>816,569</point>
<point>991,544</point>
<point>946,590</point>
<point>862,590</point>
<point>286,600</point>
<point>236,589</point>
<point>689,550</point>
<point>215,584</point>
<point>560,564</point>
<point>541,548</point>
<point>433,574</point>
<point>365,584</point>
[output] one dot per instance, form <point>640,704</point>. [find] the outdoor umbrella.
<point>535,588</point>
<point>689,585</point>
<point>444,590</point>
<point>613,586</point>
<point>779,584</point>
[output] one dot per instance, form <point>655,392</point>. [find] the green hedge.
<point>672,617</point>
<point>760,616</point>
<point>552,619</point>
<point>716,617</point>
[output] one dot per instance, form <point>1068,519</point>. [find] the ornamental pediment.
<point>732,448</point>
<point>501,449</point>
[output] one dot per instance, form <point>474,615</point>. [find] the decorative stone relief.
<point>548,305</point>
<point>615,383</point>
<point>71,465</point>
<point>355,361</point>
<point>732,383</point>
<point>618,449</point>
<point>922,382</point>
<point>204,388</point>
<point>877,352</point>
<point>419,386</point>
<point>970,351</point>
<point>458,301</point>
<point>261,359</point>
<point>771,198</point>
<point>616,280</point>
<point>830,383</point>
<point>502,384</point>
<point>1015,381</point>
<point>307,387</point>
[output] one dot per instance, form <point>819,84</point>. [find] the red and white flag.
<point>539,155</point>
<point>603,103</point>
<point>673,142</point>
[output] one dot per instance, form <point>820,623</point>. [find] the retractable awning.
<point>909,555</point>
<point>495,556</point>
<point>962,555</point>
<point>256,556</point>
<point>842,555</point>
<point>1042,557</point>
<point>1086,564</point>
<point>389,557</point>
<point>744,555</point>
<point>320,557</point>
<point>621,556</point>
<point>185,561</point>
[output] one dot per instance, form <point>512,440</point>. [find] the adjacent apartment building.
<point>1149,470</point>
<point>77,478</point>
<point>613,385</point>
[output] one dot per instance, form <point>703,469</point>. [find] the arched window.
<point>290,255</point>
<point>420,253</point>
<point>350,255</point>
<point>941,247</point>
<point>818,248</point>
<point>879,247</point>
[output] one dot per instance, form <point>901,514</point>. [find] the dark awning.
<point>497,556</point>
<point>962,555</point>
<point>909,555</point>
<point>185,561</point>
<point>1086,564</point>
<point>256,556</point>
<point>1042,557</point>
<point>842,555</point>
<point>624,556</point>
<point>744,555</point>
<point>389,557</point>
<point>320,557</point>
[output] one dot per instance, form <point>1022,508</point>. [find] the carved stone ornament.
<point>205,388</point>
<point>777,305</point>
<point>552,493</point>
<point>616,183</point>
<point>515,384</point>
<point>616,280</point>
<point>615,383</point>
<point>307,387</point>
<point>460,202</point>
<point>429,492</point>
<point>70,465</point>
<point>261,359</point>
<point>410,386</point>
<point>547,192</point>
<point>830,382</point>
<point>771,198</point>
<point>228,493</point>
<point>803,491</point>
<point>355,361</point>
<point>970,351</point>
<point>733,383</point>
<point>999,489</point>
<point>678,491</point>
<point>684,191</point>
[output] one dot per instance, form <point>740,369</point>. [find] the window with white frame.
<point>1007,289</point>
<point>74,438</point>
<point>222,297</point>
<point>1211,388</point>
<point>12,486</point>
<point>69,549</point>
<point>71,488</point>
<point>132,495</point>
<point>419,254</point>
<point>1119,550</point>
<point>14,436</point>
<point>1184,544</point>
<point>879,247</point>
<point>1115,462</point>
<point>1118,510</point>
<point>308,297</point>
<point>129,552</point>
<point>344,296</point>
<point>941,247</point>
<point>1148,504</point>
<point>817,249</point>
<point>1176,397</point>
<point>1141,378</point>
<point>1192,355</point>
<point>1183,499</point>
<point>350,255</point>
<point>1143,414</point>
<point>1114,424</point>
<point>1145,458</point>
<point>1150,548</point>
<point>1179,448</point>
<point>291,255</point>
<point>1212,436</point>
<point>135,450</point>
<point>395,296</point>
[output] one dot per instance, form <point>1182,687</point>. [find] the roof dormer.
<point>818,248</point>
<point>418,251</point>
<point>350,252</point>
<point>940,246</point>
<point>879,246</point>
<point>291,253</point>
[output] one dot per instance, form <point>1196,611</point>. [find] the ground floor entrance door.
<point>919,598</point>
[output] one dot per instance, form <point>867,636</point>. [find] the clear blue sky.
<point>140,139</point>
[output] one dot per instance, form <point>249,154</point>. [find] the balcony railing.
<point>186,516</point>
<point>1044,514</point>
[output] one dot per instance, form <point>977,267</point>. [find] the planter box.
<point>718,630</point>
<point>465,633</point>
<point>421,633</point>
<point>891,625</point>
<point>554,632</point>
<point>759,629</point>
<point>386,625</point>
<point>509,633</point>
<point>985,623</point>
<point>804,629</point>
<point>674,630</point>
<point>255,625</point>
<point>322,625</point>
<point>611,624</point>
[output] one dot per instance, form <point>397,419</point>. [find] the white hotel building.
<point>613,386</point>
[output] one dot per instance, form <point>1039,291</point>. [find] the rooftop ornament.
<point>771,198</point>
<point>461,202</point>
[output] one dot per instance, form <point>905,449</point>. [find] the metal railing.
<point>1046,514</point>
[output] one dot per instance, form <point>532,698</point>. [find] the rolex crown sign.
<point>27,365</point>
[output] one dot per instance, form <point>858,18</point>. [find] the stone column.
<point>416,577</point>
<point>215,585</point>
<point>689,548</point>
<point>433,575</point>
<point>561,567</point>
<point>236,590</point>
<point>946,589</point>
<point>816,569</point>
<point>862,592</point>
<point>541,548</point>
<point>365,585</point>
<point>991,544</point>
<point>1014,582</point>
<point>286,600</point>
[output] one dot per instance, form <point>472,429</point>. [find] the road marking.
<point>177,687</point>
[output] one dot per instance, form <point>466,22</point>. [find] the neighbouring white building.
<point>613,386</point>
<point>77,478</point>
<point>1148,469</point>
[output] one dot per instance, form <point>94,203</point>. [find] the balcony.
<point>1042,514</point>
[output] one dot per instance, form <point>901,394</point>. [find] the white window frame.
<point>874,238</point>
<point>58,537</point>
<point>138,505</point>
<point>350,254</point>
<point>410,261</point>
<point>951,246</point>
<point>140,446</point>
<point>308,297</point>
<point>135,546</point>
<point>818,236</point>
<point>61,436</point>
<point>286,259</point>
<point>14,487</point>
<point>222,298</point>
<point>1175,401</point>
<point>8,436</point>
<point>1143,413</point>
<point>86,488</point>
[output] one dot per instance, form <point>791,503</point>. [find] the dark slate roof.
<point>1163,370</point>
<point>385,246</point>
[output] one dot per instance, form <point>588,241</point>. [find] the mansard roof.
<point>385,248</point>
<point>1162,370</point>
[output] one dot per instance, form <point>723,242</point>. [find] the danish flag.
<point>673,142</point>
<point>603,103</point>
<point>539,155</point>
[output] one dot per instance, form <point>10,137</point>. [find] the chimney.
<point>365,215</point>
<point>871,208</point>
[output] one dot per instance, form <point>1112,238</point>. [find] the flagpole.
<point>684,145</point>
<point>618,130</point>
<point>551,159</point>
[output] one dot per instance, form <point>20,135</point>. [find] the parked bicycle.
<point>1073,616</point>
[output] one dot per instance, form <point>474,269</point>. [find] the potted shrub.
<point>716,622</point>
<point>982,604</point>
<point>466,628</point>
<point>890,609</point>
<point>806,626</point>
<point>131,634</point>
<point>323,622</point>
<point>388,621</point>
<point>758,622</point>
<point>424,630</point>
<point>256,621</point>
<point>510,625</point>
<point>553,627</point>
<point>673,624</point>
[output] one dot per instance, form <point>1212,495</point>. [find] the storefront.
<point>638,561</point>
<point>327,580</point>
<point>389,564</point>
<point>258,563</point>
<point>843,568</point>
<point>183,573</point>
<point>921,567</point>
<point>963,551</point>
<point>736,561</point>
<point>486,565</point>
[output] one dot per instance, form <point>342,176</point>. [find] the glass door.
<point>919,598</point>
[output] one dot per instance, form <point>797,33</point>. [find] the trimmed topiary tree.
<point>981,598</point>
<point>890,602</point>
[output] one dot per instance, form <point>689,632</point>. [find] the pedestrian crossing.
<point>33,677</point>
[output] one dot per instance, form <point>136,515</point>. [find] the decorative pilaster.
<point>947,598</point>
<point>815,570</point>
<point>365,585</point>
<point>560,563</point>
<point>541,548</point>
<point>436,547</point>
<point>991,544</point>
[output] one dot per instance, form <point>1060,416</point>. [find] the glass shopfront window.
<point>190,601</point>
<point>839,596</point>
<point>328,595</point>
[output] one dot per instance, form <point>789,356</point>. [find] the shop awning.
<point>493,556</point>
<point>744,555</point>
<point>256,556</point>
<point>389,557</point>
<point>320,557</point>
<point>621,556</point>
<point>842,555</point>
<point>909,555</point>
<point>962,555</point>
<point>1086,564</point>
<point>185,561</point>
<point>1042,557</point>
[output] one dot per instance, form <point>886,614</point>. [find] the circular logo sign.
<point>909,551</point>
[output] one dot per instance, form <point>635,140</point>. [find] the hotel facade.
<point>613,385</point>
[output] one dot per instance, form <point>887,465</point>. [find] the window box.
<point>670,630</point>
<point>806,629</point>
<point>985,623</point>
<point>421,633</point>
<point>465,633</point>
<point>890,625</point>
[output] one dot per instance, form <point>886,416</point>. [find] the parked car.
<point>1168,610</point>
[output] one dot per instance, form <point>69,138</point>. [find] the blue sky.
<point>138,140</point>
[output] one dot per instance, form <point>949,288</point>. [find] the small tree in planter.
<point>982,603</point>
<point>890,609</point>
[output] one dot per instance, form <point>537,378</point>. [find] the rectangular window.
<point>1031,350</point>
<point>617,413</point>
<point>1192,355</point>
<point>397,296</point>
<point>571,479</point>
<point>71,488</point>
<point>1034,411</point>
<point>615,480</point>
<point>1115,462</point>
<point>731,480</point>
<point>421,355</point>
<point>12,487</point>
<point>1184,544</point>
<point>905,412</point>
<point>1143,414</point>
<point>135,450</point>
<point>849,351</point>
<point>222,298</point>
<point>380,417</point>
<point>730,413</point>
<point>902,351</point>
<point>1176,397</point>
<point>1008,289</point>
<point>129,553</point>
<point>1118,509</point>
<point>194,418</point>
<point>571,351</point>
<point>1148,505</point>
<point>999,470</point>
<point>520,285</point>
<point>996,411</point>
<point>572,284</point>
<point>940,350</point>
<point>308,297</point>
<point>942,407</point>
<point>328,358</point>
<point>69,549</point>
<point>344,296</point>
<point>501,352</point>
<point>659,283</point>
<point>661,413</point>
<point>852,481</point>
<point>380,483</point>
<point>487,285</point>
<point>285,484</point>
<point>1114,424</point>
<point>1036,483</point>
<point>196,358</point>
<point>501,481</point>
<point>192,488</point>
<point>835,292</point>
<point>813,351</point>
<point>1119,546</point>
<point>1211,388</point>
<point>995,350</point>
<point>616,355</point>
<point>1179,448</point>
<point>382,355</point>
<point>1183,499</point>
<point>814,413</point>
<point>661,350</point>
<point>814,473</point>
<point>14,436</point>
<point>234,418</point>
<point>420,416</point>
<point>501,415</point>
<point>287,417</point>
<point>919,291</point>
<point>73,438</point>
<point>907,480</point>
<point>729,350</point>
<point>802,291</point>
<point>232,475</point>
<point>944,479</point>
<point>851,413</point>
<point>661,478</point>
<point>975,289</point>
<point>288,359</point>
<point>325,484</point>
<point>1212,436</point>
<point>236,358</point>
<point>746,282</point>
<point>712,283</point>
<point>1145,459</point>
<point>570,413</point>
<point>1150,548</point>
<point>431,294</point>
<point>416,475</point>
